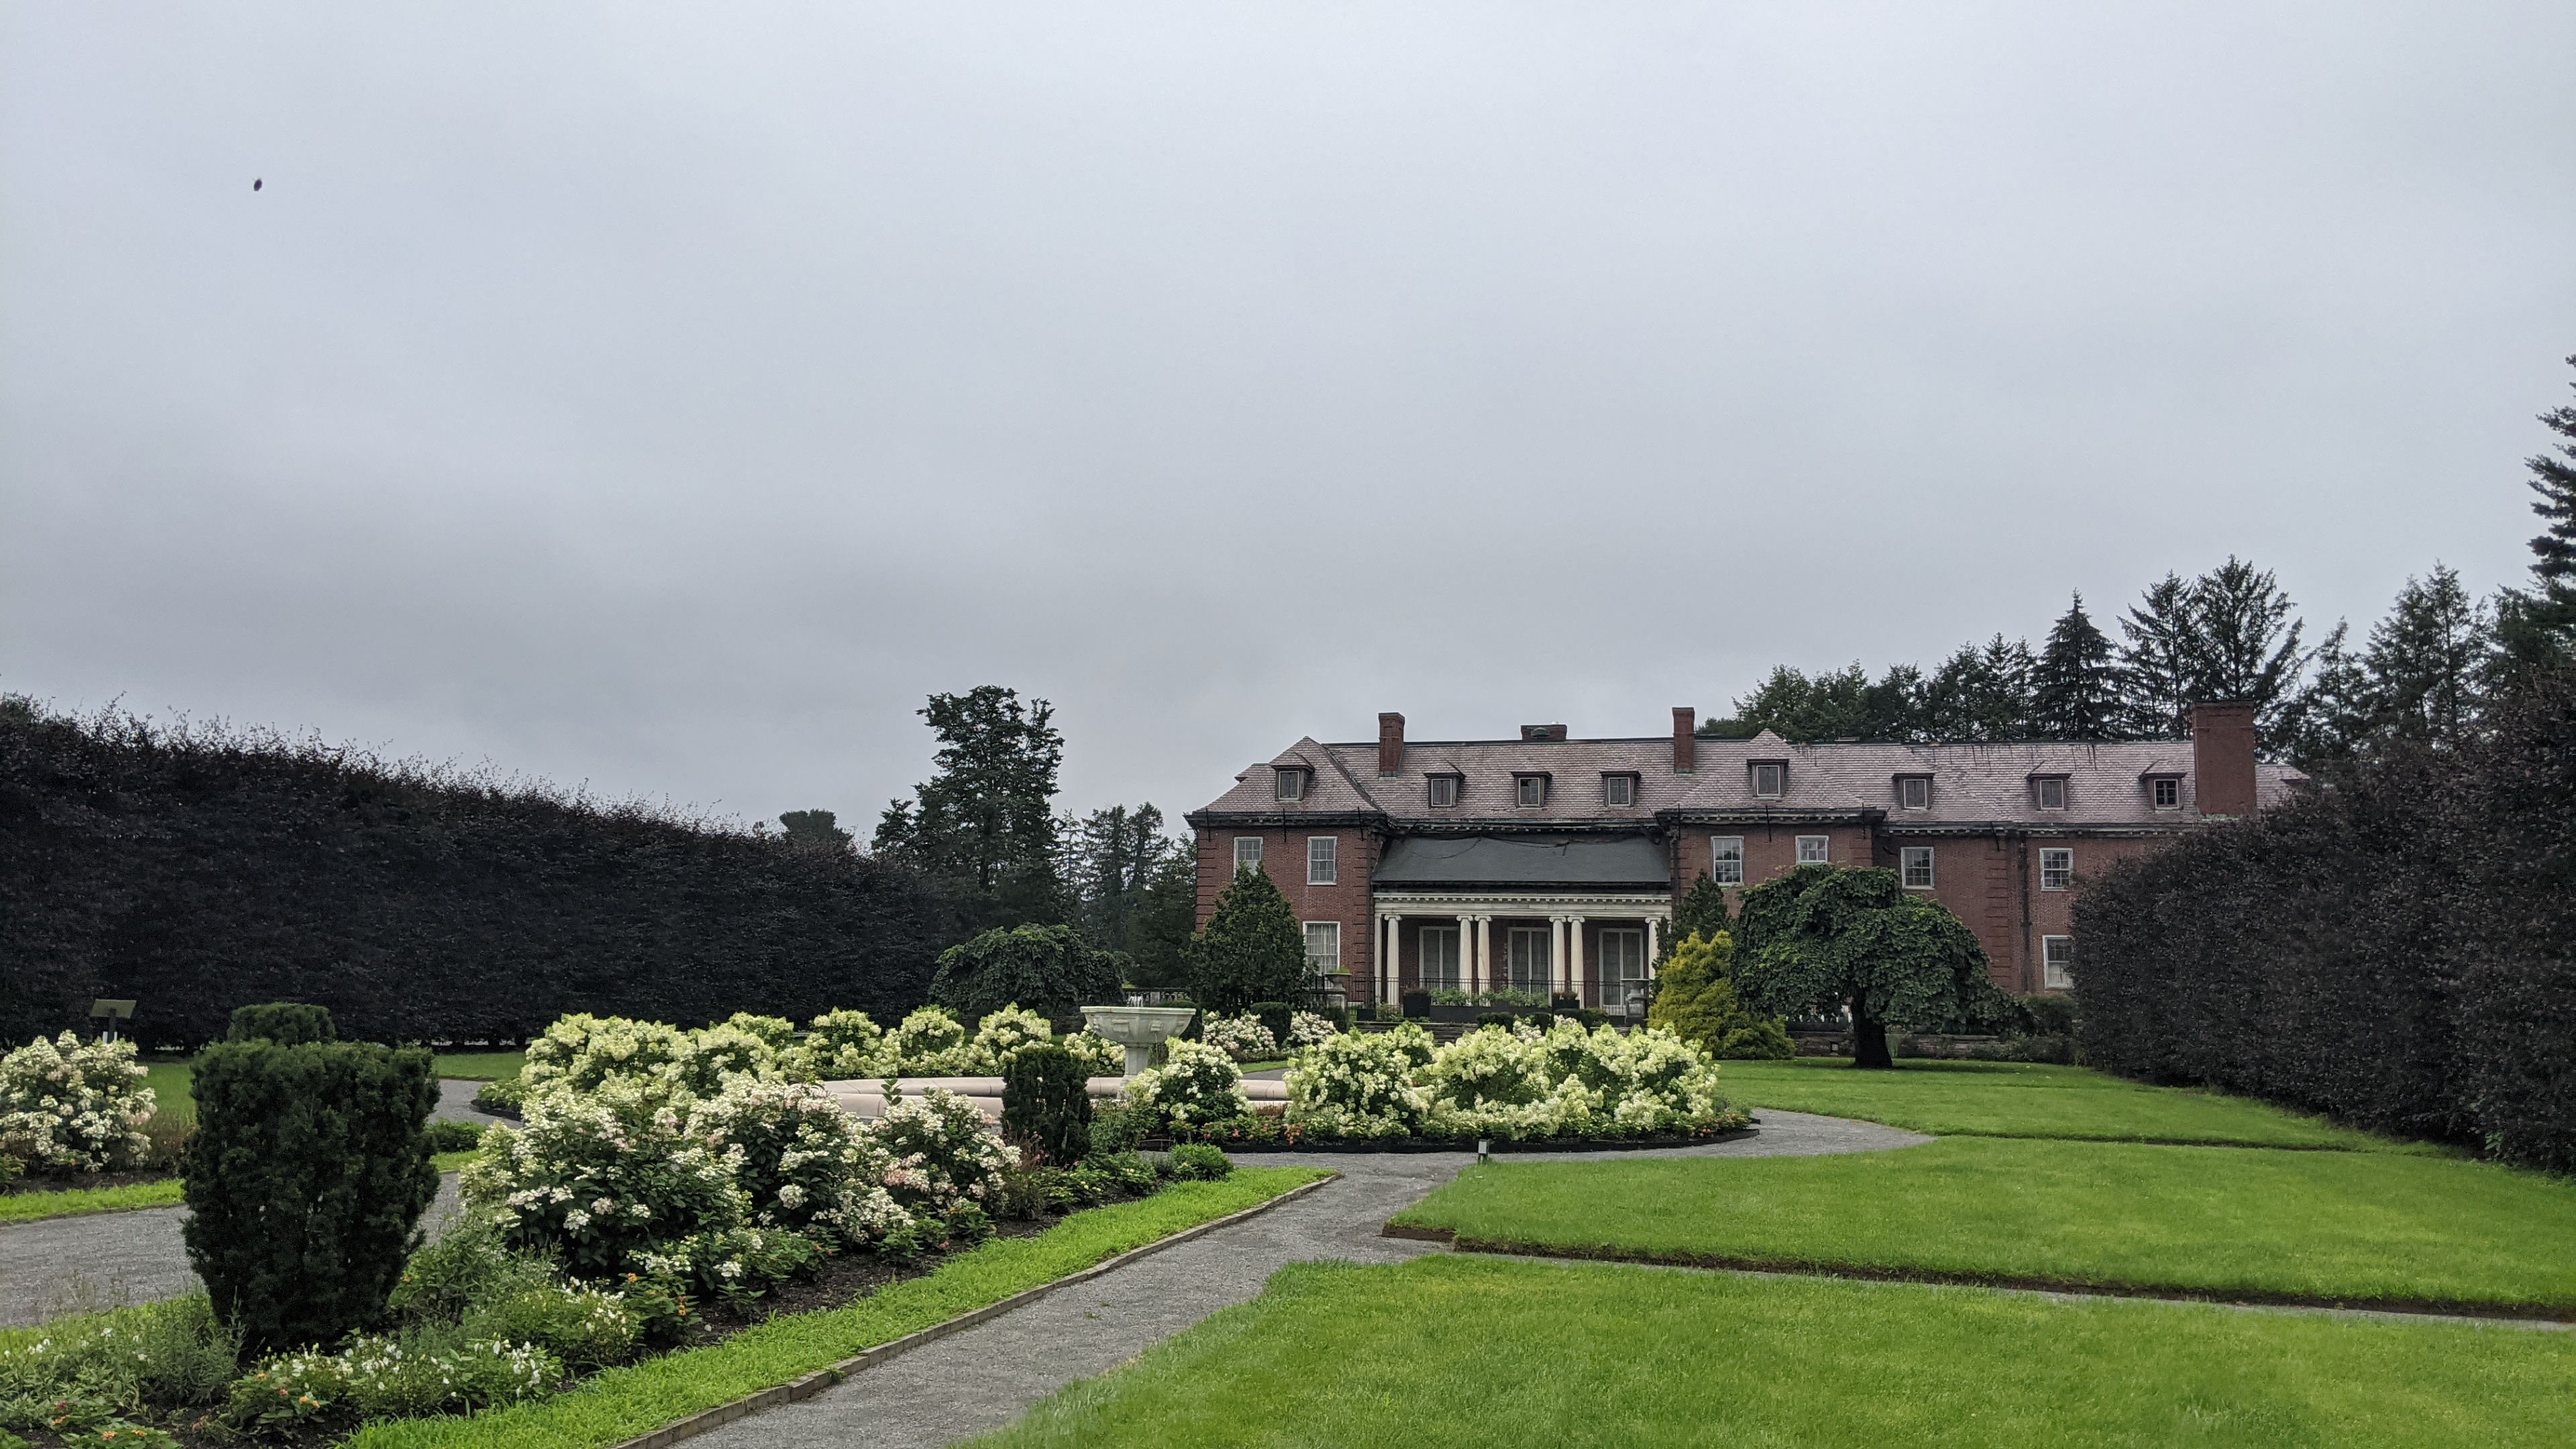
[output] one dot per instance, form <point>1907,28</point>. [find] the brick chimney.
<point>1390,744</point>
<point>2222,758</point>
<point>1685,740</point>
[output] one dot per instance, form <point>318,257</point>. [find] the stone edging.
<point>816,1382</point>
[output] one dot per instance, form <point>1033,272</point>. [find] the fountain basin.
<point>1138,1028</point>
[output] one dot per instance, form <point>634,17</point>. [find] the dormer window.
<point>2166,792</point>
<point>1618,791</point>
<point>1444,791</point>
<point>1770,779</point>
<point>2048,792</point>
<point>1292,784</point>
<point>1914,792</point>
<point>1532,790</point>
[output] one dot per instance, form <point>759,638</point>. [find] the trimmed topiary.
<point>1046,1104</point>
<point>308,1174</point>
<point>287,1023</point>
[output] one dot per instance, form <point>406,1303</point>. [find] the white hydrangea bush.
<point>1002,1035</point>
<point>940,1153</point>
<point>1197,1085</point>
<point>1567,1081</point>
<point>840,1045</point>
<point>71,1106</point>
<point>1308,1028</point>
<point>800,1160</point>
<point>723,1053</point>
<point>1242,1038</point>
<point>931,1043</point>
<point>602,1176</point>
<point>1360,1084</point>
<point>580,1051</point>
<point>1098,1055</point>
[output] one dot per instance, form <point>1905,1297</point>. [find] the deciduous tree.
<point>1825,938</point>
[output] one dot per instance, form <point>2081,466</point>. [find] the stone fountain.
<point>1138,1028</point>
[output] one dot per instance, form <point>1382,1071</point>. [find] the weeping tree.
<point>1827,937</point>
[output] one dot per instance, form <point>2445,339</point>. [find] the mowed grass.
<point>623,1403</point>
<point>2328,1226</point>
<point>73,1202</point>
<point>1461,1351</point>
<point>173,1102</point>
<point>2029,1099</point>
<point>481,1066</point>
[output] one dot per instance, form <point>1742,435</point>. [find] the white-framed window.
<point>1726,859</point>
<point>1438,967</point>
<point>1769,781</point>
<point>1533,789</point>
<point>2057,962</point>
<point>1323,947</point>
<point>2052,792</point>
<point>2056,869</point>
<point>1529,962</point>
<point>1292,784</point>
<point>1622,967</point>
<point>1247,851</point>
<point>2168,793</point>
<point>1917,862</point>
<point>1444,791</point>
<point>1815,849</point>
<point>1914,792</point>
<point>1323,859</point>
<point>1618,790</point>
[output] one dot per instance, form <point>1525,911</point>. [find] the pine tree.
<point>2335,714</point>
<point>986,825</point>
<point>2538,628</point>
<point>1250,950</point>
<point>2156,663</point>
<point>1981,693</point>
<point>2427,659</point>
<point>2245,644</point>
<point>2075,693</point>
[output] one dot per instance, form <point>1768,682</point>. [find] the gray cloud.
<point>668,397</point>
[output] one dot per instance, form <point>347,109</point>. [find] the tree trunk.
<point>1869,1039</point>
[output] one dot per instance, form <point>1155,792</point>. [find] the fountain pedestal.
<point>1138,1028</point>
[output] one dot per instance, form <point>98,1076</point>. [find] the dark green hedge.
<point>287,1023</point>
<point>1046,1104</point>
<point>2397,949</point>
<point>198,871</point>
<point>308,1173</point>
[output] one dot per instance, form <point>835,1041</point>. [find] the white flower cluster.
<point>1513,1083</point>
<point>941,1152</point>
<point>604,1174</point>
<point>1243,1038</point>
<point>375,1377</point>
<point>69,1106</point>
<point>1198,1084</point>
<point>799,1158</point>
<point>1307,1028</point>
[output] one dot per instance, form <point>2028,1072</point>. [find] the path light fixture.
<point>1484,1149</point>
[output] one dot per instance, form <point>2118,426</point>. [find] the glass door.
<point>1623,968</point>
<point>1439,966</point>
<point>1532,965</point>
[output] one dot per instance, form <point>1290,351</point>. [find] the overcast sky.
<point>669,397</point>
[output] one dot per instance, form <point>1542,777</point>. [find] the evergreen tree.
<point>1250,950</point>
<point>2538,628</point>
<point>1110,859</point>
<point>2157,670</point>
<point>986,824</point>
<point>2335,714</point>
<point>1695,1000</point>
<point>1981,693</point>
<point>816,828</point>
<point>2245,644</point>
<point>1703,911</point>
<point>1167,911</point>
<point>2427,659</point>
<point>2075,692</point>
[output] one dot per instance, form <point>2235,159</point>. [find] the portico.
<point>1592,945</point>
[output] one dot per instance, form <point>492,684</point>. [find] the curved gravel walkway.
<point>108,1260</point>
<point>980,1379</point>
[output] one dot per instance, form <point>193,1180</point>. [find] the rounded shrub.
<point>70,1106</point>
<point>1197,1084</point>
<point>1199,1162</point>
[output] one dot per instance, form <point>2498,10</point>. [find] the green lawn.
<point>171,1100</point>
<point>481,1066</point>
<point>2028,1099</point>
<point>1460,1351</point>
<point>623,1403</point>
<point>2326,1225</point>
<point>21,1207</point>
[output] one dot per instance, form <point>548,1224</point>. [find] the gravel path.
<point>108,1260</point>
<point>985,1377</point>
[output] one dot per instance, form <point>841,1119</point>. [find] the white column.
<point>1467,953</point>
<point>1650,945</point>
<point>1575,963</point>
<point>1389,974</point>
<point>1484,953</point>
<point>1555,953</point>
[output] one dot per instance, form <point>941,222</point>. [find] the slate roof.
<point>1972,785</point>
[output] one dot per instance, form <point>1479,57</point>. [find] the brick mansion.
<point>1553,865</point>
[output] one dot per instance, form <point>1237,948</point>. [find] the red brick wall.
<point>1283,855</point>
<point>1770,851</point>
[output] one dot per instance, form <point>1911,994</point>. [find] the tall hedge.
<point>306,1179</point>
<point>2398,948</point>
<point>196,870</point>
